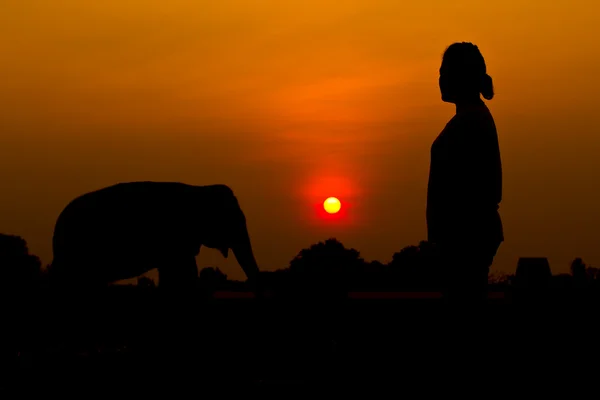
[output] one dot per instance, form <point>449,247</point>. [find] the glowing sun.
<point>332,205</point>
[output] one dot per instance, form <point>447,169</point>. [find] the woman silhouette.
<point>465,177</point>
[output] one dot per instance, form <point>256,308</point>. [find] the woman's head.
<point>463,74</point>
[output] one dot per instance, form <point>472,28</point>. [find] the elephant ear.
<point>235,212</point>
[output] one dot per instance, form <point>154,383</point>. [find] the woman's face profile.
<point>445,85</point>
<point>455,85</point>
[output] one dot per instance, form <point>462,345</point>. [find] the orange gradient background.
<point>290,102</point>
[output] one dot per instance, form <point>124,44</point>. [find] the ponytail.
<point>487,87</point>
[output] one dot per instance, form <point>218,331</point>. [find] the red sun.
<point>332,205</point>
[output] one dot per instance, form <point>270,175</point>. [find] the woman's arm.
<point>477,174</point>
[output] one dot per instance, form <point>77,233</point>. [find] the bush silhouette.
<point>415,267</point>
<point>326,266</point>
<point>19,268</point>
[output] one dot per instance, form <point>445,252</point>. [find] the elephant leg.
<point>177,279</point>
<point>178,273</point>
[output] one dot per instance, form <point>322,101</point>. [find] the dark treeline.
<point>326,267</point>
<point>133,329</point>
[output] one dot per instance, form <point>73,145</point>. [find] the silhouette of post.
<point>533,273</point>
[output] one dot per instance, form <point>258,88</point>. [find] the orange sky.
<point>291,102</point>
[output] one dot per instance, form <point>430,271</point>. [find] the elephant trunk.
<point>242,250</point>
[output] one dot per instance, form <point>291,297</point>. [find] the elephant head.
<point>224,228</point>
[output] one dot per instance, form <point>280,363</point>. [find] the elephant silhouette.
<point>122,231</point>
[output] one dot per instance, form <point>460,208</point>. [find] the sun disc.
<point>332,205</point>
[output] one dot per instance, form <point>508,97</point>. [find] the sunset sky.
<point>290,102</point>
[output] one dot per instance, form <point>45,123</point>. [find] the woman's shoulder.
<point>447,133</point>
<point>451,125</point>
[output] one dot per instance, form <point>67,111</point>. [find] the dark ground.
<point>261,343</point>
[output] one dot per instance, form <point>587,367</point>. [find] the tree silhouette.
<point>19,268</point>
<point>578,268</point>
<point>584,275</point>
<point>280,282</point>
<point>500,279</point>
<point>372,276</point>
<point>415,267</point>
<point>326,265</point>
<point>592,274</point>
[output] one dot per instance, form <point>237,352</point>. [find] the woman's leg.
<point>466,270</point>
